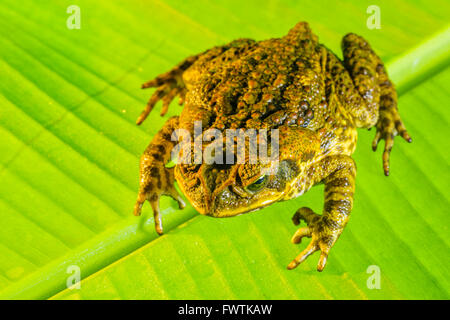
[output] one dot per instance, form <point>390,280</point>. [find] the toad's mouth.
<point>228,204</point>
<point>225,204</point>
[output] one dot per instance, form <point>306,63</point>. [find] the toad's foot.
<point>169,85</point>
<point>156,181</point>
<point>388,127</point>
<point>167,89</point>
<point>322,237</point>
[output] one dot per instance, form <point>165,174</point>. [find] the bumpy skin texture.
<point>293,84</point>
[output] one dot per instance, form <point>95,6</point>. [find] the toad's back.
<point>249,84</point>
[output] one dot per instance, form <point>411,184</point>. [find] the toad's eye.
<point>257,185</point>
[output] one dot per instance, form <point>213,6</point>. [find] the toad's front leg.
<point>338,173</point>
<point>155,178</point>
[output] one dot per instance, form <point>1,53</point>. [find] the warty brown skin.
<point>293,84</point>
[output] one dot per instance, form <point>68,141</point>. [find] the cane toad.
<point>292,84</point>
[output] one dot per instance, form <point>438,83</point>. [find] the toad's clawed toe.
<point>153,198</point>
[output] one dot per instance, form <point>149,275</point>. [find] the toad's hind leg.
<point>378,92</point>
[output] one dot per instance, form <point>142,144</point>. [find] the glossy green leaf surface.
<point>70,152</point>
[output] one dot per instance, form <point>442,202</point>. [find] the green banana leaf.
<point>70,149</point>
